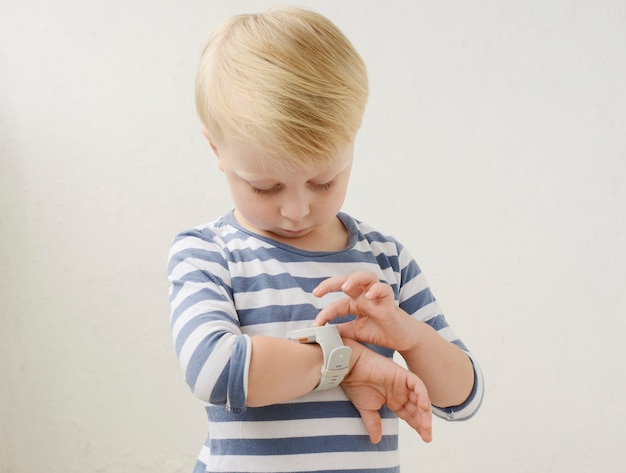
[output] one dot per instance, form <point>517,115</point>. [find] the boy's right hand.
<point>375,380</point>
<point>378,320</point>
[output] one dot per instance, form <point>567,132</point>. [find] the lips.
<point>295,232</point>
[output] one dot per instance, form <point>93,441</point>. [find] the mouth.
<point>295,233</point>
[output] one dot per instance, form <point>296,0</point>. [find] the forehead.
<point>252,163</point>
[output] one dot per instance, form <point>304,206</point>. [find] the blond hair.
<point>286,80</point>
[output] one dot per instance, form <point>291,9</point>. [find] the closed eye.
<point>325,186</point>
<point>270,191</point>
<point>277,188</point>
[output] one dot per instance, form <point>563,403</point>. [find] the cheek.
<point>339,194</point>
<point>253,205</point>
<point>332,201</point>
<point>247,200</point>
<point>242,193</point>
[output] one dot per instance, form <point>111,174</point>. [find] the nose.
<point>295,208</point>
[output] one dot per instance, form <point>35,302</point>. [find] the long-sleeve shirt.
<point>228,284</point>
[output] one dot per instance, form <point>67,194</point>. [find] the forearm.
<point>281,370</point>
<point>445,369</point>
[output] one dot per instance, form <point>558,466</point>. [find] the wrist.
<point>336,354</point>
<point>357,350</point>
<point>416,332</point>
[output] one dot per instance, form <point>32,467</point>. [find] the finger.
<point>358,279</point>
<point>336,309</point>
<point>373,425</point>
<point>426,430</point>
<point>359,282</point>
<point>330,285</point>
<point>424,418</point>
<point>425,425</point>
<point>379,291</point>
<point>415,407</point>
<point>420,421</point>
<point>418,418</point>
<point>419,395</point>
<point>423,415</point>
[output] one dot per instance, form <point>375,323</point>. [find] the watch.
<point>336,354</point>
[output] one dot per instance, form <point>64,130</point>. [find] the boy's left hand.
<point>378,319</point>
<point>375,380</point>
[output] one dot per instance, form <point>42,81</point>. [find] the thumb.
<point>332,311</point>
<point>347,330</point>
<point>373,425</point>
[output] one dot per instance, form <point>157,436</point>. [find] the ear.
<point>207,135</point>
<point>211,141</point>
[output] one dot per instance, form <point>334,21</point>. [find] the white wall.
<point>494,147</point>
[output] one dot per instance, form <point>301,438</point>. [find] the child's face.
<point>284,203</point>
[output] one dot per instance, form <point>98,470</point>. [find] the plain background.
<point>493,146</point>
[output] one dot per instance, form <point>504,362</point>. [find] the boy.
<point>281,96</point>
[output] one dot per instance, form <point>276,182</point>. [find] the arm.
<point>443,366</point>
<point>222,365</point>
<point>445,369</point>
<point>281,370</point>
<point>226,367</point>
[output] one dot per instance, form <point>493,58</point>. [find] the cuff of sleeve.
<point>238,376</point>
<point>470,406</point>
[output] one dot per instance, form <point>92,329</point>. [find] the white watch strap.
<point>336,354</point>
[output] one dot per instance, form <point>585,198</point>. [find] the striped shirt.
<point>227,285</point>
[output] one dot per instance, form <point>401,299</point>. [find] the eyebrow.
<point>257,178</point>
<point>325,175</point>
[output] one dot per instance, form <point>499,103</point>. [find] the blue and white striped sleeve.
<point>212,351</point>
<point>417,299</point>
